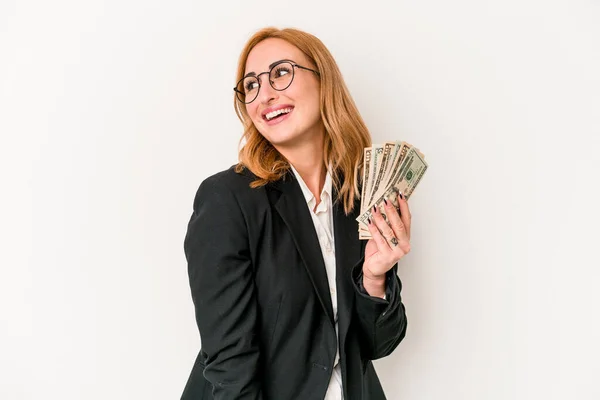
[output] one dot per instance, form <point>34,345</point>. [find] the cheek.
<point>251,110</point>
<point>315,105</point>
<point>310,96</point>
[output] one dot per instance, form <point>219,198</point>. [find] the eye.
<point>250,85</point>
<point>281,71</point>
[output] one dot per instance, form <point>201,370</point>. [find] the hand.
<point>389,243</point>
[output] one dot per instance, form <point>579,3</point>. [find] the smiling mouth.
<point>277,114</point>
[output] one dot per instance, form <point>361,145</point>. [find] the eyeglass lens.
<point>280,77</point>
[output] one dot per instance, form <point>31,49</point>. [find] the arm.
<point>222,286</point>
<point>382,323</point>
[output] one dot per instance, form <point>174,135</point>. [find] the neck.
<point>307,158</point>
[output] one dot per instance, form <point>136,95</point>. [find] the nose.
<point>266,93</point>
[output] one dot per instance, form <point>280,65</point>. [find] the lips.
<point>279,118</point>
<point>275,112</point>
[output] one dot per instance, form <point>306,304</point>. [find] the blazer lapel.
<point>348,251</point>
<point>294,211</point>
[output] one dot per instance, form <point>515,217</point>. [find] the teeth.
<point>273,114</point>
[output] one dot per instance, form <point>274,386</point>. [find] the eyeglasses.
<point>281,76</point>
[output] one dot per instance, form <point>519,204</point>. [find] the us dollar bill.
<point>405,179</point>
<point>365,176</point>
<point>396,154</point>
<point>375,162</point>
<point>381,168</point>
<point>400,153</point>
<point>392,160</point>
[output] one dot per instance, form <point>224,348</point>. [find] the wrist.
<point>374,286</point>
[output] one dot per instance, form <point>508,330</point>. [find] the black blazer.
<point>262,300</point>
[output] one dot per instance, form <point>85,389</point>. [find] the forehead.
<point>269,51</point>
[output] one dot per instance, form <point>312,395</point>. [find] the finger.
<point>380,241</point>
<point>396,222</point>
<point>386,231</point>
<point>405,214</point>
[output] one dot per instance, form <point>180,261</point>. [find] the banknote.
<point>381,169</point>
<point>376,153</point>
<point>365,175</point>
<point>399,170</point>
<point>399,153</point>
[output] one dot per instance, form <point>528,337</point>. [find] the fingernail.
<point>369,219</point>
<point>402,197</point>
<point>374,209</point>
<point>385,201</point>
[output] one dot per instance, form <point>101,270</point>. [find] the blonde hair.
<point>346,134</point>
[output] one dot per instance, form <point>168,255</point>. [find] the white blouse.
<point>323,220</point>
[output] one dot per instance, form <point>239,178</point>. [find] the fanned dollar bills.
<point>387,169</point>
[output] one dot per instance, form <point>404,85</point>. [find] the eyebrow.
<point>270,66</point>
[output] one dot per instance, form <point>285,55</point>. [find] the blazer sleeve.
<point>382,323</point>
<point>222,286</point>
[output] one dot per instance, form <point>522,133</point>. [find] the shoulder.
<point>230,178</point>
<point>226,186</point>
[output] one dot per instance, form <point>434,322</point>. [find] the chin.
<point>280,135</point>
<point>282,141</point>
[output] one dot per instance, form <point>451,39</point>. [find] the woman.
<point>290,304</point>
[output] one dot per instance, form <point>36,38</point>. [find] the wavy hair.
<point>346,134</point>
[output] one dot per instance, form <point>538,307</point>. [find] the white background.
<point>113,112</point>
